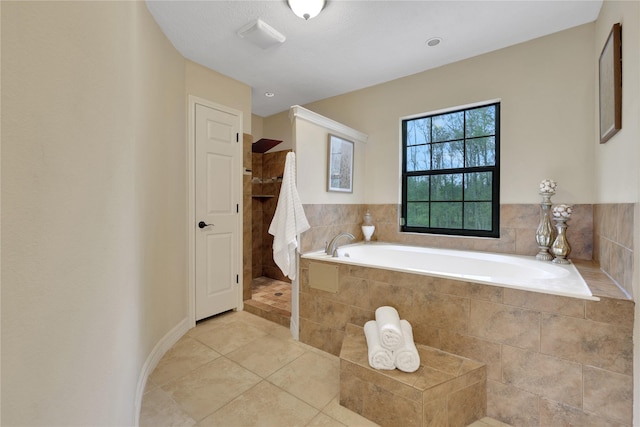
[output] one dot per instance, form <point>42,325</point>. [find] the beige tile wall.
<point>517,232</point>
<point>256,211</point>
<point>272,170</point>
<point>550,360</point>
<point>613,241</point>
<point>267,179</point>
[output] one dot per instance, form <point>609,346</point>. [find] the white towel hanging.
<point>288,222</point>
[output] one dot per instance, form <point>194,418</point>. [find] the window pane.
<point>448,155</point>
<point>417,188</point>
<point>418,158</point>
<point>446,215</point>
<point>477,186</point>
<point>481,121</point>
<point>419,131</point>
<point>448,126</point>
<point>451,172</point>
<point>446,187</point>
<point>477,216</point>
<point>481,152</point>
<point>417,214</point>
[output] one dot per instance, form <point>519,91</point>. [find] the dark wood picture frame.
<point>610,87</point>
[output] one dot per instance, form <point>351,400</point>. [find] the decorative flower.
<point>562,211</point>
<point>548,186</point>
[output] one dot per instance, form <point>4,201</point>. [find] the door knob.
<point>203,224</point>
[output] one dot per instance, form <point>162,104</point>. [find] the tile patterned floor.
<point>271,300</point>
<point>237,369</point>
<point>272,292</point>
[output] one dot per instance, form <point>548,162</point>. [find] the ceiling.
<point>352,44</point>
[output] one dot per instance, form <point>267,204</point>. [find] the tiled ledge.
<point>447,390</point>
<point>274,314</point>
<point>599,283</point>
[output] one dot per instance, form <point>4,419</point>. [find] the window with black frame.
<point>451,172</point>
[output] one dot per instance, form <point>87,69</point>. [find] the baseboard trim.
<point>154,357</point>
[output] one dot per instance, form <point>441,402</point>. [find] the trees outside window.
<point>450,172</point>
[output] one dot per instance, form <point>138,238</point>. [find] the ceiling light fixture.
<point>306,9</point>
<point>269,94</point>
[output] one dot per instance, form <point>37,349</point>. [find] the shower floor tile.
<point>272,292</point>
<point>270,299</point>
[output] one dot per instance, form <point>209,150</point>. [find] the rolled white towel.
<point>389,327</point>
<point>406,358</point>
<point>379,357</point>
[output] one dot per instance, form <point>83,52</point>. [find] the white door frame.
<point>191,215</point>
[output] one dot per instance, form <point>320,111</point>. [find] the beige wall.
<point>311,147</point>
<point>93,167</point>
<point>616,162</point>
<point>279,127</point>
<point>216,87</point>
<point>94,185</point>
<point>257,123</point>
<point>547,115</point>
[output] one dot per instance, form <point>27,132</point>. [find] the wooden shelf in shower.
<point>264,144</point>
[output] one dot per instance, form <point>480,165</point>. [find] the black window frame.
<point>495,170</point>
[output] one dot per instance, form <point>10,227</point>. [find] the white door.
<point>218,190</point>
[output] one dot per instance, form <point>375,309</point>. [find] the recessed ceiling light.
<point>269,94</point>
<point>434,41</point>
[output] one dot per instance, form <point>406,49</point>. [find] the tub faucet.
<point>332,246</point>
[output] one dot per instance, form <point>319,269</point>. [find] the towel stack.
<point>390,342</point>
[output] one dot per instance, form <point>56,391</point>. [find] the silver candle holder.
<point>545,230</point>
<point>560,247</point>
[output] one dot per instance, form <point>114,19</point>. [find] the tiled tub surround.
<point>550,360</point>
<point>505,270</point>
<point>613,241</point>
<point>517,231</point>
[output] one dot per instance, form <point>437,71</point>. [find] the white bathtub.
<point>509,271</point>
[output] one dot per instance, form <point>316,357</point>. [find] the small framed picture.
<point>340,170</point>
<point>611,85</point>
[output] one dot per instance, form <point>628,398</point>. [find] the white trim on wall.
<point>452,108</point>
<point>331,125</point>
<point>154,357</point>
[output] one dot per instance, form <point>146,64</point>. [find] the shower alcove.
<point>270,291</point>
